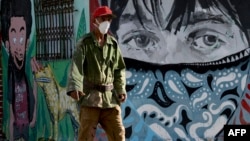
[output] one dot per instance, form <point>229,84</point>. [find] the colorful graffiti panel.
<point>187,70</point>
<point>187,67</point>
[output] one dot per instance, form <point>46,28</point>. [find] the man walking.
<point>97,80</point>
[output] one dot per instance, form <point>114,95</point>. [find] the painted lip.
<point>18,59</point>
<point>19,56</point>
<point>229,59</point>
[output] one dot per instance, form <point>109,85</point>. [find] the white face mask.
<point>104,27</point>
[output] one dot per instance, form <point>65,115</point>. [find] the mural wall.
<point>187,70</point>
<point>187,67</point>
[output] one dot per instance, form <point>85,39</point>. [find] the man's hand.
<point>122,97</point>
<point>76,95</point>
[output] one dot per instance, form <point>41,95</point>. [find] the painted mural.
<point>187,71</point>
<point>36,106</point>
<point>187,67</point>
<point>21,97</point>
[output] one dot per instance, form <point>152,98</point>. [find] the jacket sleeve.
<point>119,74</point>
<point>75,75</point>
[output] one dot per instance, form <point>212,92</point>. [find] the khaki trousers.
<point>109,118</point>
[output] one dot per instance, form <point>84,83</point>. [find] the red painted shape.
<point>248,96</point>
<point>245,105</point>
<point>242,120</point>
